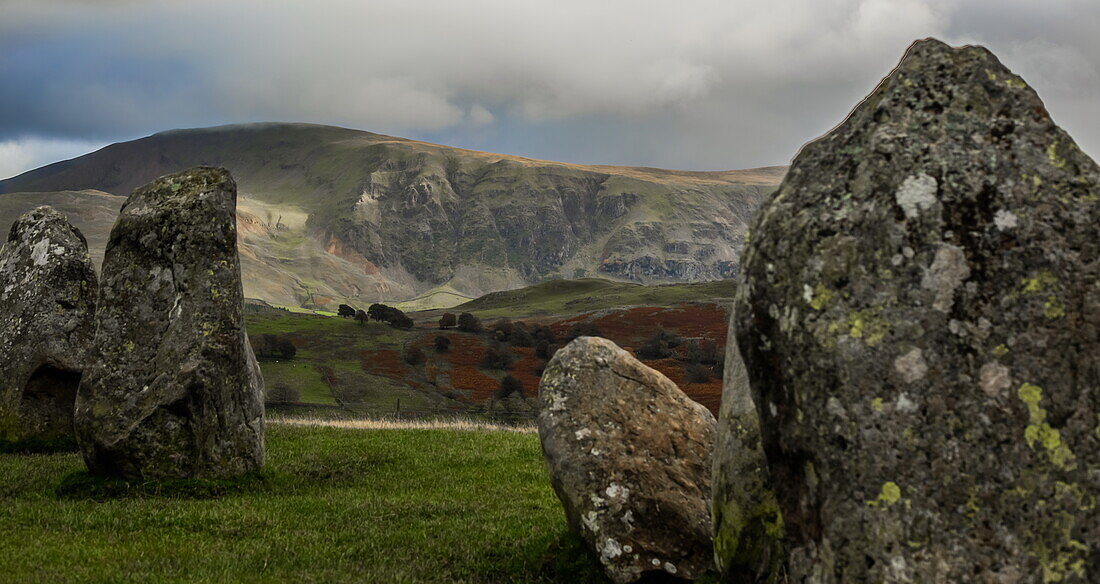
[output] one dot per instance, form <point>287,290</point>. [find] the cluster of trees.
<point>465,322</point>
<point>703,357</point>
<point>273,347</point>
<point>380,312</point>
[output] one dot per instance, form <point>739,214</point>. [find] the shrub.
<point>508,386</point>
<point>704,351</point>
<point>415,355</point>
<point>659,346</point>
<point>283,393</point>
<point>584,329</point>
<point>469,323</point>
<point>345,311</point>
<point>361,317</point>
<point>442,344</point>
<point>544,333</point>
<point>448,320</point>
<point>696,373</point>
<point>497,357</point>
<point>502,329</point>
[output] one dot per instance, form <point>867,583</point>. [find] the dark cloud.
<point>690,84</point>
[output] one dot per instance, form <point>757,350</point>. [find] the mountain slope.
<point>329,215</point>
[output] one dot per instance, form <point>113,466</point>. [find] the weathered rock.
<point>920,317</point>
<point>748,528</point>
<point>629,456</point>
<point>176,391</point>
<point>47,301</point>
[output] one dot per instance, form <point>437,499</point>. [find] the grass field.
<point>333,505</point>
<point>558,297</point>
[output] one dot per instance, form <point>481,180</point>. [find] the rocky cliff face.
<point>331,215</point>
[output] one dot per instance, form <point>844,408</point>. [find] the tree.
<point>448,320</point>
<point>379,312</point>
<point>469,323</point>
<point>361,317</point>
<point>508,386</point>
<point>520,336</point>
<point>502,329</point>
<point>345,311</point>
<point>544,333</point>
<point>497,357</point>
<point>401,321</point>
<point>271,346</point>
<point>415,355</point>
<point>442,344</point>
<point>545,350</point>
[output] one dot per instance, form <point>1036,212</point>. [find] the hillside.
<point>329,215</point>
<point>367,369</point>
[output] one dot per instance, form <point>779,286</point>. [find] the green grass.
<point>331,506</point>
<point>301,375</point>
<point>575,296</point>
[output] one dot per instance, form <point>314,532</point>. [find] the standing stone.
<point>629,457</point>
<point>748,528</point>
<point>176,391</point>
<point>47,301</point>
<point>920,316</point>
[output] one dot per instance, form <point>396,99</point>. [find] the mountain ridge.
<point>329,214</point>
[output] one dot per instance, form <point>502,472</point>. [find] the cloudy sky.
<point>695,84</point>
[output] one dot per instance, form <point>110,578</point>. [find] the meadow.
<point>332,505</point>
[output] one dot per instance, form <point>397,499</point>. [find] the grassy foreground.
<point>333,505</point>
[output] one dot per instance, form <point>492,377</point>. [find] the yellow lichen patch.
<point>1016,83</point>
<point>1039,432</point>
<point>867,325</point>
<point>972,503</point>
<point>1056,159</point>
<point>888,495</point>
<point>1038,283</point>
<point>129,346</point>
<point>821,297</point>
<point>1053,308</point>
<point>1000,351</point>
<point>876,404</point>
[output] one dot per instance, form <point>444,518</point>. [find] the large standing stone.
<point>47,301</point>
<point>748,528</point>
<point>629,456</point>
<point>920,316</point>
<point>176,391</point>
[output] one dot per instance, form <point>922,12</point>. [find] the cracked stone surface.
<point>629,457</point>
<point>47,301</point>
<point>175,391</point>
<point>920,315</point>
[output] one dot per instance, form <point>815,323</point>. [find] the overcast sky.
<point>688,84</point>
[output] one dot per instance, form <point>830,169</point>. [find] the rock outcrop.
<point>920,315</point>
<point>175,391</point>
<point>47,302</point>
<point>748,527</point>
<point>629,456</point>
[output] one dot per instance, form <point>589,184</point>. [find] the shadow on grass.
<point>82,485</point>
<point>39,446</point>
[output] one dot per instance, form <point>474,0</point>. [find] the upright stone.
<point>748,527</point>
<point>920,316</point>
<point>629,457</point>
<point>47,302</point>
<point>175,391</point>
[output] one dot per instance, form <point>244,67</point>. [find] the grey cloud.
<point>691,84</point>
